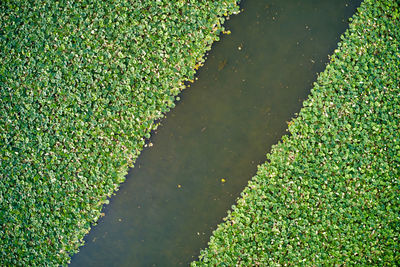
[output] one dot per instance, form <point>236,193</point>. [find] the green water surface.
<point>252,83</point>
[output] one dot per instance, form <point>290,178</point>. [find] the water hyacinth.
<point>81,84</point>
<point>329,193</point>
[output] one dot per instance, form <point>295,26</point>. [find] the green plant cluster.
<point>82,84</point>
<point>329,193</point>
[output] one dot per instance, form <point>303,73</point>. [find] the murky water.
<point>254,80</point>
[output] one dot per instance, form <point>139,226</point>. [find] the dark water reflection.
<point>253,81</point>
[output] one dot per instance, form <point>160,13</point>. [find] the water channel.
<point>209,146</point>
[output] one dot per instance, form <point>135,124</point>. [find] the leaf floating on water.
<point>222,64</point>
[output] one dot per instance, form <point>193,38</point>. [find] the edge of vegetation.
<point>329,193</point>
<point>81,86</point>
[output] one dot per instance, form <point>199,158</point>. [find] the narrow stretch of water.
<point>253,82</point>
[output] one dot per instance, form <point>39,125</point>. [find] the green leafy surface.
<point>81,84</point>
<point>329,192</point>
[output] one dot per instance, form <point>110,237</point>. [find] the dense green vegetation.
<point>81,84</point>
<point>329,193</point>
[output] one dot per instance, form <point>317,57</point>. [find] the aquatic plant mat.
<point>329,192</point>
<point>81,84</point>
